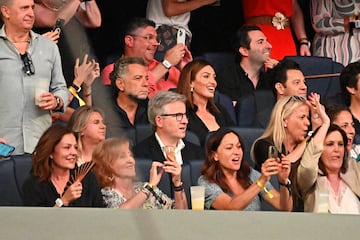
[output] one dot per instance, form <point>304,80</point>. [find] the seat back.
<point>192,137</point>
<point>248,135</point>
<point>219,59</point>
<point>226,102</point>
<point>314,67</point>
<point>142,132</point>
<point>9,193</point>
<point>195,167</point>
<point>254,110</point>
<point>143,166</point>
<point>22,168</point>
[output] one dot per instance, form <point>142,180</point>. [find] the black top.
<point>117,121</point>
<point>44,194</point>
<point>197,126</point>
<point>150,148</point>
<point>234,82</point>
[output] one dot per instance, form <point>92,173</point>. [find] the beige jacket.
<point>310,179</point>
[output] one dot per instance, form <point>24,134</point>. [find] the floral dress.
<point>113,198</point>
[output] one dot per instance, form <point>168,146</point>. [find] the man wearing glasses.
<point>27,59</point>
<point>167,115</point>
<point>141,40</point>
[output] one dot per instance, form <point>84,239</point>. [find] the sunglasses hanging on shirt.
<point>28,64</point>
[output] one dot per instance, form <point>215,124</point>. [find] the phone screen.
<point>6,150</point>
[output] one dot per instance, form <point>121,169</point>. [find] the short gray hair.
<point>159,100</point>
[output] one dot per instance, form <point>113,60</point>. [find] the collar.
<point>180,145</point>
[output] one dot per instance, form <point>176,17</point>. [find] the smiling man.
<point>141,40</point>
<point>167,115</point>
<point>246,76</point>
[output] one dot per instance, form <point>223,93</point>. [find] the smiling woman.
<point>333,173</point>
<point>115,169</point>
<point>53,164</point>
<point>197,82</point>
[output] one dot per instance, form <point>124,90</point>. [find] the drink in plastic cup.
<point>321,201</point>
<point>197,197</point>
<point>41,86</point>
<point>170,152</point>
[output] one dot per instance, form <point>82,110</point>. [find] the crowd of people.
<point>76,121</point>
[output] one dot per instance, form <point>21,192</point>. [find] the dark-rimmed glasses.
<point>148,37</point>
<point>178,116</point>
<point>28,64</point>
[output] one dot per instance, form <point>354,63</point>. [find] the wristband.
<point>179,188</point>
<point>166,64</point>
<point>263,187</point>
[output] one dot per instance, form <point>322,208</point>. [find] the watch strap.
<point>166,64</point>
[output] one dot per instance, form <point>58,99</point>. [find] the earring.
<point>192,89</point>
<point>111,178</point>
<point>216,160</point>
<point>285,126</point>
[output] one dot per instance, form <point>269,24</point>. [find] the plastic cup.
<point>41,86</point>
<point>197,197</point>
<point>170,152</point>
<point>321,201</point>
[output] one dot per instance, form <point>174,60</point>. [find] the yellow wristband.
<point>263,187</point>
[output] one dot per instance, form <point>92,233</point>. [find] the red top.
<point>154,87</point>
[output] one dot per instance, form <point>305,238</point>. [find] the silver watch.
<point>59,203</point>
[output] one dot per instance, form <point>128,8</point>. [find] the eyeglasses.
<point>178,116</point>
<point>148,37</point>
<point>28,64</point>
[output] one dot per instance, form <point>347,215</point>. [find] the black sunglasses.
<point>28,64</point>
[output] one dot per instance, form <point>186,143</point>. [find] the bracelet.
<point>263,187</point>
<point>179,188</point>
<point>149,187</point>
<point>303,39</point>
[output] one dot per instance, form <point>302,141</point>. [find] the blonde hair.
<point>275,130</point>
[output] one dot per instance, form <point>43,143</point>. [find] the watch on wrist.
<point>306,43</point>
<point>58,102</point>
<point>166,64</point>
<point>287,185</point>
<point>78,89</point>
<point>59,203</point>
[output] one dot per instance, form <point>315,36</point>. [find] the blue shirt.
<point>212,191</point>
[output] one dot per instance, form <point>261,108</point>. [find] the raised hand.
<point>72,193</point>
<point>156,172</point>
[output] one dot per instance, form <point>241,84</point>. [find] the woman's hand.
<point>318,114</point>
<point>86,72</point>
<point>156,172</point>
<point>284,169</point>
<point>53,36</point>
<point>72,193</point>
<point>268,168</point>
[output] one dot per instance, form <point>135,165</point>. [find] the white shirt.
<point>178,148</point>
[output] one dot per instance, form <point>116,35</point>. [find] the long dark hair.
<point>211,169</point>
